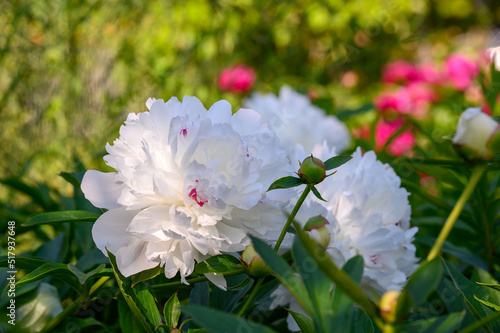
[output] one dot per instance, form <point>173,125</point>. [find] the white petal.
<point>109,231</point>
<point>220,112</point>
<point>218,280</point>
<point>101,189</point>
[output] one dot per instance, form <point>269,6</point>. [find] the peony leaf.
<point>24,263</point>
<point>56,270</point>
<point>306,325</point>
<point>71,178</point>
<point>283,272</point>
<point>128,322</point>
<point>425,280</point>
<point>222,322</point>
<point>490,305</point>
<point>336,161</point>
<point>360,321</point>
<point>494,286</point>
<point>146,299</point>
<point>61,217</point>
<point>316,193</point>
<point>342,303</point>
<point>285,182</point>
<point>469,290</point>
<point>442,324</point>
<point>222,263</point>
<point>318,287</point>
<point>172,311</point>
<point>146,275</point>
<point>83,277</point>
<point>129,295</point>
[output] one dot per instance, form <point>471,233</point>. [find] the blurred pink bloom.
<point>460,70</point>
<point>398,100</point>
<point>362,133</point>
<point>400,72</point>
<point>236,79</point>
<point>399,146</point>
<point>413,99</point>
<point>429,73</point>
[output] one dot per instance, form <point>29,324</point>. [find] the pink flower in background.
<point>236,79</point>
<point>429,73</point>
<point>460,71</point>
<point>399,101</point>
<point>400,72</point>
<point>399,146</point>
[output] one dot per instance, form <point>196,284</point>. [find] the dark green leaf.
<point>128,322</point>
<point>129,295</point>
<point>61,217</point>
<point>336,161</point>
<point>494,286</point>
<point>172,311</point>
<point>305,323</point>
<point>441,174</point>
<point>468,289</point>
<point>361,322</point>
<point>31,191</point>
<point>342,304</point>
<point>443,324</point>
<point>286,182</point>
<point>283,272</point>
<point>146,275</point>
<point>318,287</point>
<point>425,280</point>
<point>24,263</point>
<point>70,178</point>
<point>490,305</point>
<point>222,263</point>
<point>147,303</point>
<point>316,193</point>
<point>57,270</point>
<point>83,277</point>
<point>222,322</point>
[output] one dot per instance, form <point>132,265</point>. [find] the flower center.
<point>193,194</point>
<point>184,132</point>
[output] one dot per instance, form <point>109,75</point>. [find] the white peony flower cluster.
<point>190,184</point>
<point>296,120</point>
<point>368,213</point>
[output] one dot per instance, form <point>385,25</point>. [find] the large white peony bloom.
<point>296,120</point>
<point>369,215</point>
<point>190,183</point>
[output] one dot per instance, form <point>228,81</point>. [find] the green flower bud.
<point>388,304</point>
<point>253,263</point>
<point>312,170</point>
<point>317,225</point>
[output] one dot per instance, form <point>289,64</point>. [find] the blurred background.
<point>71,71</point>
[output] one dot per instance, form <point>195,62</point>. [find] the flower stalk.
<point>477,173</point>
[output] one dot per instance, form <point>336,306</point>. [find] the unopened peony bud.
<point>477,135</point>
<point>175,330</point>
<point>388,304</point>
<point>312,170</point>
<point>253,263</point>
<point>317,225</point>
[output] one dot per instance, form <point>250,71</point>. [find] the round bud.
<point>387,305</point>
<point>253,263</point>
<point>312,170</point>
<point>318,230</point>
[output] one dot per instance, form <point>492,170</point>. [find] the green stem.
<point>477,172</point>
<point>486,231</point>
<point>251,297</point>
<point>277,246</point>
<point>193,280</point>
<point>73,306</point>
<point>478,324</point>
<point>291,217</point>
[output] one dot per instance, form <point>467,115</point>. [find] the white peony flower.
<point>494,54</point>
<point>296,120</point>
<point>477,134</point>
<point>369,214</point>
<point>190,184</point>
